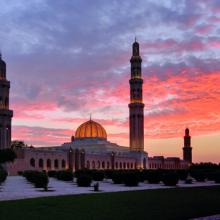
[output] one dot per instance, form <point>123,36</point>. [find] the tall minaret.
<point>136,106</point>
<point>5,114</point>
<point>187,149</point>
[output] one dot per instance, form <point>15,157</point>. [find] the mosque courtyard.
<point>182,202</point>
<point>17,187</point>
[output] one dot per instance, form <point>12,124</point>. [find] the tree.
<point>17,144</point>
<point>7,155</point>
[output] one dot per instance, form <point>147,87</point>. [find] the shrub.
<point>154,176</point>
<point>30,175</point>
<point>118,177</point>
<point>41,180</point>
<point>108,174</point>
<point>170,178</point>
<point>211,175</point>
<point>20,173</point>
<point>65,175</point>
<point>84,180</point>
<point>183,174</point>
<point>131,178</point>
<point>199,176</point>
<point>3,176</point>
<point>143,175</point>
<point>78,173</point>
<point>216,177</point>
<point>98,175</point>
<point>52,173</point>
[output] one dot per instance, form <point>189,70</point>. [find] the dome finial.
<point>135,39</point>
<point>90,117</point>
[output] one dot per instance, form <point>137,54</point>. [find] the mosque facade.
<point>90,148</point>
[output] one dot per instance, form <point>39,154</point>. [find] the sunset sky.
<point>67,59</point>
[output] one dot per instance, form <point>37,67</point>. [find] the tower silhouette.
<point>187,149</point>
<point>136,106</point>
<point>5,114</point>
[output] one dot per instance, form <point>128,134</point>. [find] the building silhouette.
<point>5,113</point>
<point>187,149</point>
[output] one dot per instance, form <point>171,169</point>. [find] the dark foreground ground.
<point>178,203</point>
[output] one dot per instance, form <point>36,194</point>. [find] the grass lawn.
<point>178,203</point>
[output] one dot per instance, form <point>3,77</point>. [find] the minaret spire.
<point>187,149</point>
<point>136,106</point>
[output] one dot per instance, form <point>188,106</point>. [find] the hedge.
<point>52,173</point>
<point>84,180</point>
<point>154,176</point>
<point>131,178</point>
<point>170,178</point>
<point>216,177</point>
<point>39,179</point>
<point>65,175</point>
<point>118,177</point>
<point>98,175</point>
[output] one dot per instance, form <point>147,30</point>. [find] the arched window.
<point>41,163</point>
<point>56,164</point>
<point>144,163</point>
<point>32,162</point>
<point>63,164</point>
<point>103,164</point>
<point>87,164</point>
<point>48,163</point>
<point>108,165</point>
<point>135,165</point>
<point>98,164</point>
<point>116,165</point>
<point>131,165</point>
<point>93,164</point>
<point>120,165</point>
<point>124,165</point>
<point>128,165</point>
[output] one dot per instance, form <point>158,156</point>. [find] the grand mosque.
<point>90,147</point>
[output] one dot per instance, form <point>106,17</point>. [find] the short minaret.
<point>136,106</point>
<point>5,114</point>
<point>187,149</point>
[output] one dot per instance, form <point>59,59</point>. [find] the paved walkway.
<point>213,217</point>
<point>16,187</point>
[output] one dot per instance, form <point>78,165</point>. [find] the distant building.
<point>89,148</point>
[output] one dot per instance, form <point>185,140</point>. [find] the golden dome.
<point>90,129</point>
